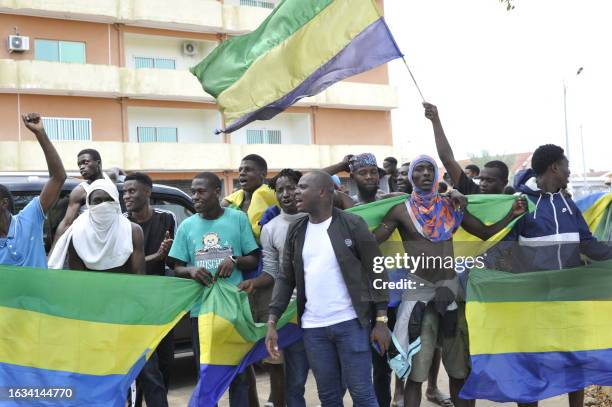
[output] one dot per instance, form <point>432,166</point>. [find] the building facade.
<point>113,75</point>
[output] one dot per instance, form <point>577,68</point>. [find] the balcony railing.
<point>258,3</point>
<point>157,134</point>
<point>264,137</point>
<point>41,77</point>
<point>67,129</point>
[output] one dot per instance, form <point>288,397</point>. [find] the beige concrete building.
<point>113,75</point>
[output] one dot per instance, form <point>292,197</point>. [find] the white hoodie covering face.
<point>101,236</point>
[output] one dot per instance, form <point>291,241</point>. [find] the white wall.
<point>139,45</point>
<point>194,125</point>
<point>295,128</point>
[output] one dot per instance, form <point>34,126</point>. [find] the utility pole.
<point>584,166</point>
<point>567,150</point>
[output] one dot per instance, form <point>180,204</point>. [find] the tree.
<point>484,157</point>
<point>509,4</point>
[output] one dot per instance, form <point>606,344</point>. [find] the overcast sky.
<point>497,76</point>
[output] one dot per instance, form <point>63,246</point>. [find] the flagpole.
<point>413,79</point>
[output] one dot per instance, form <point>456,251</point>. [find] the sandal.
<point>439,398</point>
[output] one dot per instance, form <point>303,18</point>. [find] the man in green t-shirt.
<point>214,243</point>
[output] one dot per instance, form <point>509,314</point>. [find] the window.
<point>263,136</point>
<point>59,51</point>
<point>158,63</point>
<point>67,129</point>
<point>157,134</point>
<point>179,210</point>
<point>257,3</point>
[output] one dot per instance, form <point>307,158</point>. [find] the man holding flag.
<point>214,243</point>
<point>552,237</point>
<point>428,220</point>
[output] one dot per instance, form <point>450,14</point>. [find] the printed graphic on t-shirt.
<point>213,252</point>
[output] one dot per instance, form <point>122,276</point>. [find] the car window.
<point>20,201</point>
<point>58,210</point>
<point>180,212</point>
<point>54,215</point>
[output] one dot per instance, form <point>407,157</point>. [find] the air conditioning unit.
<point>190,48</point>
<point>18,43</point>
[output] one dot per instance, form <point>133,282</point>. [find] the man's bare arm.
<point>162,252</point>
<point>445,152</point>
<point>388,225</point>
<point>77,196</point>
<point>248,261</point>
<point>137,259</point>
<point>57,173</point>
<point>74,261</point>
<point>475,226</point>
<point>199,274</point>
<point>342,200</point>
<point>339,167</point>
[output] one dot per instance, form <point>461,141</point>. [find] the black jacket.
<point>355,248</point>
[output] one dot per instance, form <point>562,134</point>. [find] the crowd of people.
<point>290,237</point>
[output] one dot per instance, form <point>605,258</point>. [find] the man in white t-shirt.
<point>329,258</point>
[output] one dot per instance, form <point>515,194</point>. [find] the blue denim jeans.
<point>296,374</point>
<point>340,355</point>
<point>239,388</point>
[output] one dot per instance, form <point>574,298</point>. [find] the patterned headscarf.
<point>362,160</point>
<point>436,217</point>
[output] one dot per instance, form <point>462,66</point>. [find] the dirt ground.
<point>184,381</point>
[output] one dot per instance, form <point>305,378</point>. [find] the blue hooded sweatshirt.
<point>554,235</point>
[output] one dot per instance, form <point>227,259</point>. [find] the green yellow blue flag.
<point>532,335</point>
<point>597,212</point>
<point>74,338</point>
<point>490,209</point>
<point>302,48</point>
<point>538,335</point>
<point>230,341</point>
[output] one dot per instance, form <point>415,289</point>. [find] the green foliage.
<point>509,4</point>
<point>484,157</point>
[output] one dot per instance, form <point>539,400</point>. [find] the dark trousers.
<point>382,371</point>
<point>149,381</point>
<point>340,354</point>
<point>239,388</point>
<point>165,354</point>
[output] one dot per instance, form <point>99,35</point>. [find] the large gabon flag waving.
<point>302,48</point>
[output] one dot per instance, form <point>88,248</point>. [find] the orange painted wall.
<point>366,127</point>
<point>95,36</point>
<point>105,114</point>
<point>378,75</point>
<point>98,37</point>
<point>9,119</point>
